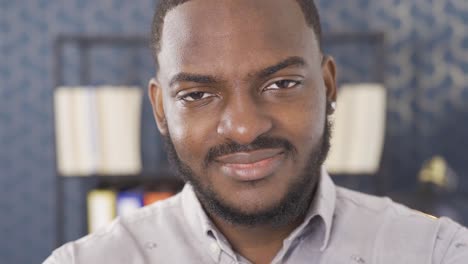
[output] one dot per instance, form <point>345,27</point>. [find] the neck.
<point>259,244</point>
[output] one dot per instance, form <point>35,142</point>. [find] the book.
<point>77,152</point>
<point>359,129</point>
<point>154,196</point>
<point>129,201</point>
<point>119,110</point>
<point>105,205</point>
<point>101,206</point>
<point>98,130</point>
<point>64,132</point>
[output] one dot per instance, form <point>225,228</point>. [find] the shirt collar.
<point>323,205</point>
<point>200,225</point>
<point>194,213</point>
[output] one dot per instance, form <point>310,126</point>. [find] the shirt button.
<point>151,245</point>
<point>358,259</point>
<point>460,245</point>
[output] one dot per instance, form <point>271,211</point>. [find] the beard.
<point>291,207</point>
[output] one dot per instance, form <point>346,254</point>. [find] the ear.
<point>329,78</point>
<point>156,98</point>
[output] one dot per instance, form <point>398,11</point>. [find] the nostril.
<point>243,131</point>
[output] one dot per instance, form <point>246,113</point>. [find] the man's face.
<point>241,96</point>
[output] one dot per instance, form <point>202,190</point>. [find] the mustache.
<point>262,142</point>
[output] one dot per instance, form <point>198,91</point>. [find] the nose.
<point>243,120</point>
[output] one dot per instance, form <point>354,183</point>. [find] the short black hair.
<point>308,8</point>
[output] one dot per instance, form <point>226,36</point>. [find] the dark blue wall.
<point>427,44</point>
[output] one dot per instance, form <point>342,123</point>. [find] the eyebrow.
<point>190,77</point>
<point>288,62</point>
<point>264,73</point>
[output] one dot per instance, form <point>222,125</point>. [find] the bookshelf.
<point>164,175</point>
<point>84,44</point>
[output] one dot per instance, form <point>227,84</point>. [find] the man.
<point>242,96</point>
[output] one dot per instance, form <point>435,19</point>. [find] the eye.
<point>195,96</point>
<point>282,84</point>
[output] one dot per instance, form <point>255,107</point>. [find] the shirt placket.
<point>221,254</point>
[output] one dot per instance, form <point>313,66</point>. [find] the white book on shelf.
<point>76,140</point>
<point>359,129</point>
<point>98,130</point>
<point>86,138</point>
<point>63,105</point>
<point>119,129</point>
<point>101,206</point>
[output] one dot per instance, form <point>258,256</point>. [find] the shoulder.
<point>125,238</point>
<point>349,201</point>
<point>451,244</point>
<point>396,231</point>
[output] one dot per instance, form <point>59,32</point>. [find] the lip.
<point>251,166</point>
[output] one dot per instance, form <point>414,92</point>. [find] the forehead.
<point>233,35</point>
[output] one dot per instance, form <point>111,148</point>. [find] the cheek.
<point>189,133</point>
<point>184,136</point>
<point>304,120</point>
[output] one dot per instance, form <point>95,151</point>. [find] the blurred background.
<point>417,50</point>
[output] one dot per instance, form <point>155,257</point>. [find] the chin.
<point>272,204</point>
<point>255,203</point>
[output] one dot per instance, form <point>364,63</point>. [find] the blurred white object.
<point>129,202</point>
<point>436,171</point>
<point>359,129</point>
<point>119,111</point>
<point>98,130</point>
<point>101,206</point>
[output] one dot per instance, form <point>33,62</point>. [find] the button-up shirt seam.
<point>330,190</point>
<point>447,245</point>
<point>195,220</point>
<point>224,248</point>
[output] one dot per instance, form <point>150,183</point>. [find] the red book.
<point>152,196</point>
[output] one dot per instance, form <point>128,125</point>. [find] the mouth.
<point>251,166</point>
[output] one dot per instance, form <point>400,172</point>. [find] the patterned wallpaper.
<point>427,45</point>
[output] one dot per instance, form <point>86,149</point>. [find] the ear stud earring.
<point>331,107</point>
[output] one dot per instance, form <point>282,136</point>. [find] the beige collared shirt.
<point>342,226</point>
